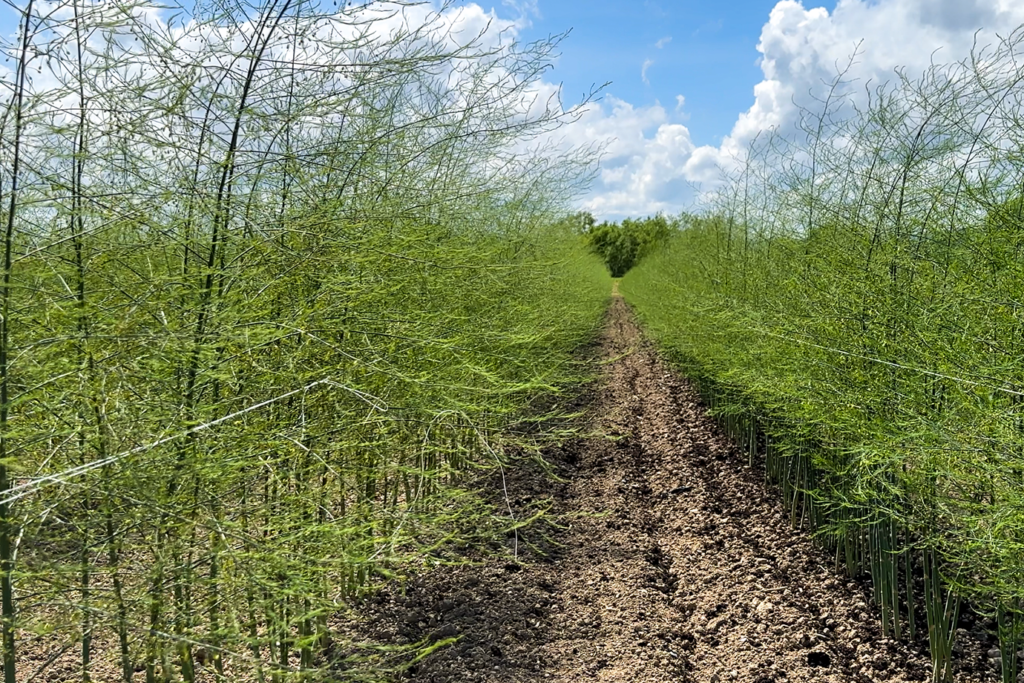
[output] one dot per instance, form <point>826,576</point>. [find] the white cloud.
<point>643,168</point>
<point>526,11</point>
<point>802,50</point>
<point>652,160</point>
<point>643,70</point>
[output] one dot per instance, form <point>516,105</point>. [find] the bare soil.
<point>671,561</point>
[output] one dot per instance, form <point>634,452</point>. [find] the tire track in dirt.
<point>673,563</point>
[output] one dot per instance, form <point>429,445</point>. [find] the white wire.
<point>16,492</point>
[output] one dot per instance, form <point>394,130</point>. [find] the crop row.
<point>276,285</point>
<point>852,306</point>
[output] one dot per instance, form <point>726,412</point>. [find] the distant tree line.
<point>623,245</point>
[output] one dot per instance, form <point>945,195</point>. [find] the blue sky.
<point>741,67</point>
<point>707,53</point>
<point>692,84</point>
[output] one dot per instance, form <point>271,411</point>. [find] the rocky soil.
<point>670,561</point>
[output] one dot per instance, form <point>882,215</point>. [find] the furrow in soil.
<point>671,562</point>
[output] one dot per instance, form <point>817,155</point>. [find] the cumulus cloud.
<point>652,163</point>
<point>803,50</point>
<point>642,170</point>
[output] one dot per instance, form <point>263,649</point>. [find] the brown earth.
<point>671,561</point>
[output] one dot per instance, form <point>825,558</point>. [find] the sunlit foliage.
<point>853,308</point>
<point>276,285</point>
<point>623,245</point>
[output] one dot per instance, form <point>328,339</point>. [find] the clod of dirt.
<point>819,659</point>
<point>446,631</point>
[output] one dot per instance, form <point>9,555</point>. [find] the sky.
<point>677,62</point>
<point>689,84</point>
<point>692,83</point>
<point>656,51</point>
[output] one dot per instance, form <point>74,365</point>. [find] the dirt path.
<point>674,564</point>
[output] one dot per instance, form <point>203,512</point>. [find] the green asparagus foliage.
<point>280,281</point>
<point>850,307</point>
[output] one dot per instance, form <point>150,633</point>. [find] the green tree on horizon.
<point>623,245</point>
